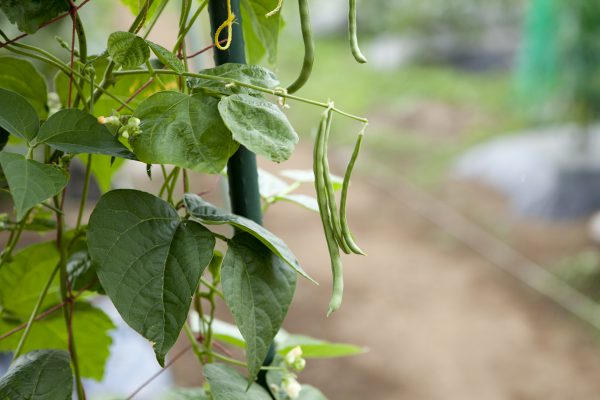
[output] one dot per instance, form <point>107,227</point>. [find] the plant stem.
<point>274,92</point>
<point>13,239</point>
<point>84,192</point>
<point>34,312</point>
<point>186,29</point>
<point>192,339</point>
<point>155,17</point>
<point>212,287</point>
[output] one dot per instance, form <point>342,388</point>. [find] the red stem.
<point>136,93</point>
<point>204,49</point>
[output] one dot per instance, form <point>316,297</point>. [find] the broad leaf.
<point>261,33</point>
<point>246,73</point>
<point>187,394</point>
<point>81,270</point>
<point>309,392</point>
<point>91,330</point>
<point>308,176</point>
<point>169,59</point>
<point>39,375</point>
<point>207,213</point>
<point>259,125</point>
<point>30,182</point>
<point>137,5</point>
<point>76,131</point>
<point>127,49</point>
<point>258,289</point>
<point>308,202</point>
<point>17,116</point>
<point>148,261</point>
<point>29,15</point>
<point>22,280</point>
<point>227,384</point>
<point>21,77</point>
<point>183,130</point>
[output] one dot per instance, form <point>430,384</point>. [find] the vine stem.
<point>84,192</point>
<point>274,92</point>
<point>34,312</point>
<point>13,239</point>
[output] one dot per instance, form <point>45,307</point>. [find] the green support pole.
<point>242,172</point>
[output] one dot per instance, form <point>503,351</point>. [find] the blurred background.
<point>476,198</point>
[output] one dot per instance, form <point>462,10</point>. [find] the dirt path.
<point>440,321</point>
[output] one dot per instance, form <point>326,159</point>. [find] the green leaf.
<point>39,375</point>
<point>30,182</point>
<point>308,202</point>
<point>187,394</point>
<point>169,59</point>
<point>17,116</point>
<point>308,176</point>
<point>261,33</point>
<point>30,14</point>
<point>246,73</point>
<point>258,289</point>
<point>315,348</point>
<point>22,280</point>
<point>207,213</point>
<point>21,77</point>
<point>309,392</point>
<point>183,130</point>
<point>149,262</point>
<point>76,131</point>
<point>127,49</point>
<point>81,270</point>
<point>259,125</point>
<point>227,384</point>
<point>91,329</point>
<point>123,88</point>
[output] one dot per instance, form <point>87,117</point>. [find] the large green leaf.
<point>91,330</point>
<point>123,87</point>
<point>30,14</point>
<point>261,33</point>
<point>246,73</point>
<point>207,213</point>
<point>22,279</point>
<point>227,384</point>
<point>183,130</point>
<point>21,77</point>
<point>259,125</point>
<point>169,59</point>
<point>17,116</point>
<point>149,262</point>
<point>39,375</point>
<point>258,289</point>
<point>309,392</point>
<point>127,49</point>
<point>30,182</point>
<point>76,131</point>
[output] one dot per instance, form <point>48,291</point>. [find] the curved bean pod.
<point>309,48</point>
<point>352,33</point>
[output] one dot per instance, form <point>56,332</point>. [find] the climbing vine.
<point>156,255</point>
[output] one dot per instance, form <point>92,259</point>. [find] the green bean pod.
<point>331,203</point>
<point>332,246</point>
<point>352,33</point>
<point>344,221</point>
<point>309,48</point>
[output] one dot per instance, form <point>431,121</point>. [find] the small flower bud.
<point>133,122</point>
<point>291,387</point>
<point>101,120</point>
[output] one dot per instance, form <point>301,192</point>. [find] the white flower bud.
<point>134,122</point>
<point>293,355</point>
<point>291,387</point>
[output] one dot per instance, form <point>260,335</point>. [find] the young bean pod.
<point>352,33</point>
<point>344,221</point>
<point>332,246</point>
<point>331,202</point>
<point>309,48</point>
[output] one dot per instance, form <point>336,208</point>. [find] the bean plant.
<point>157,256</point>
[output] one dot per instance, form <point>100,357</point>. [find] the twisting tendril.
<point>228,23</point>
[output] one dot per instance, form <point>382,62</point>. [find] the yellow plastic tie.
<point>227,23</point>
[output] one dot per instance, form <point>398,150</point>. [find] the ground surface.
<point>440,321</point>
